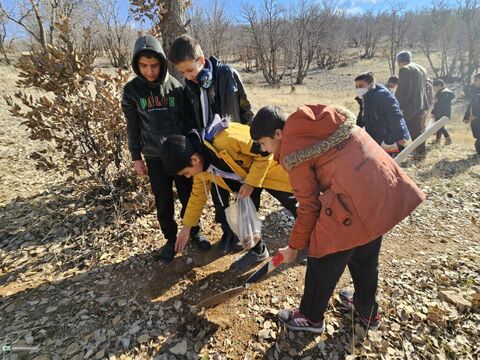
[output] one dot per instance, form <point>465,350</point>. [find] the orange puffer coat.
<point>349,190</point>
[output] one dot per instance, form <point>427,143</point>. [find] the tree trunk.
<point>172,25</point>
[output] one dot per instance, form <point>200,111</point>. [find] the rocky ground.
<point>77,279</point>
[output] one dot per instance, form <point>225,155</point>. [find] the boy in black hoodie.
<point>441,108</point>
<point>154,106</point>
<point>212,88</point>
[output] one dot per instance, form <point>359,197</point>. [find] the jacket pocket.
<point>333,209</point>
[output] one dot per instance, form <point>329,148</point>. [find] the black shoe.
<point>201,241</point>
<point>229,243</point>
<point>166,254</point>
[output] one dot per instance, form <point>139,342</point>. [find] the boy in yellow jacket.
<point>224,155</point>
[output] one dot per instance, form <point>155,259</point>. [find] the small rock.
<point>180,348</point>
<point>135,328</point>
<point>189,260</point>
<point>143,338</point>
<point>455,299</point>
<point>177,305</point>
<point>264,334</point>
<point>125,343</point>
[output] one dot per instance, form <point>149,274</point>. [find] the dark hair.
<point>176,155</point>
<point>476,76</point>
<point>184,48</point>
<point>266,121</point>
<point>367,76</point>
<point>148,54</point>
<point>392,80</point>
<point>438,82</point>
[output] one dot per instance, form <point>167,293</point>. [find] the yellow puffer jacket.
<point>234,146</point>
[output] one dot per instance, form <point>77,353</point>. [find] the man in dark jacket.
<point>381,115</point>
<point>154,106</point>
<point>472,114</point>
<point>442,107</point>
<point>213,88</point>
<point>412,97</point>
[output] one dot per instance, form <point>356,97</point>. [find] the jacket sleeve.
<point>360,122</point>
<point>245,108</point>
<point>260,161</point>
<point>306,191</point>
<point>404,88</point>
<point>395,123</point>
<point>188,114</point>
<point>129,108</point>
<point>197,200</point>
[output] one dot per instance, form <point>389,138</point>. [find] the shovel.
<point>231,293</point>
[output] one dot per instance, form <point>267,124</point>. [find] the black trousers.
<point>162,188</point>
<point>441,132</point>
<point>323,274</point>
<point>219,196</point>
<point>416,127</point>
<point>475,126</point>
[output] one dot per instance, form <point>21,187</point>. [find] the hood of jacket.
<point>150,43</point>
<point>313,130</point>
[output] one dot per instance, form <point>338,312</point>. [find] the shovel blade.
<point>220,297</point>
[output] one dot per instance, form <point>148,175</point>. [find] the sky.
<point>353,7</point>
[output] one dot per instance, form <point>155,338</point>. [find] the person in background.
<point>472,114</point>
<point>381,115</point>
<point>412,96</point>
<point>392,83</point>
<point>441,108</point>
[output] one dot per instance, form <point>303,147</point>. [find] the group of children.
<point>343,189</point>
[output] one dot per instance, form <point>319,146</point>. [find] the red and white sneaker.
<point>295,320</point>
<point>346,299</point>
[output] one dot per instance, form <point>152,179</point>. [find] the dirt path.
<point>80,283</point>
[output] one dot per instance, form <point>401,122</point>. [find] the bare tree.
<point>115,32</point>
<point>307,30</point>
<point>372,32</point>
<point>267,27</point>
<point>212,28</point>
<point>398,26</point>
<point>3,37</point>
<point>469,11</point>
<point>25,12</point>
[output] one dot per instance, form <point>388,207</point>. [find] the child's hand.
<point>140,167</point>
<point>182,239</point>
<point>289,254</point>
<point>245,191</point>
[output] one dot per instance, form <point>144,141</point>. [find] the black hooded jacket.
<point>227,95</point>
<point>153,110</point>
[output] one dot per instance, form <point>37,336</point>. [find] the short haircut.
<point>438,82</point>
<point>367,76</point>
<point>184,48</point>
<point>177,151</point>
<point>266,121</point>
<point>476,76</point>
<point>392,80</point>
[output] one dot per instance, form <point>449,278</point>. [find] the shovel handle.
<point>277,260</point>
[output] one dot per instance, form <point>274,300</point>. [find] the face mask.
<point>361,91</point>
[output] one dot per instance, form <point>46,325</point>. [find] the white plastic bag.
<point>244,222</point>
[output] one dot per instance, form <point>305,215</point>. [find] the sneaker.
<point>295,320</point>
<point>249,259</point>
<point>201,241</point>
<point>448,141</point>
<point>346,299</point>
<point>229,243</point>
<point>166,254</point>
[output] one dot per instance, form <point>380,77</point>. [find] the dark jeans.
<point>162,188</point>
<point>475,126</point>
<point>323,274</point>
<point>416,127</point>
<point>441,132</point>
<point>285,198</point>
<point>220,217</point>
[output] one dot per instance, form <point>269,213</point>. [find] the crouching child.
<point>350,193</point>
<point>224,155</point>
